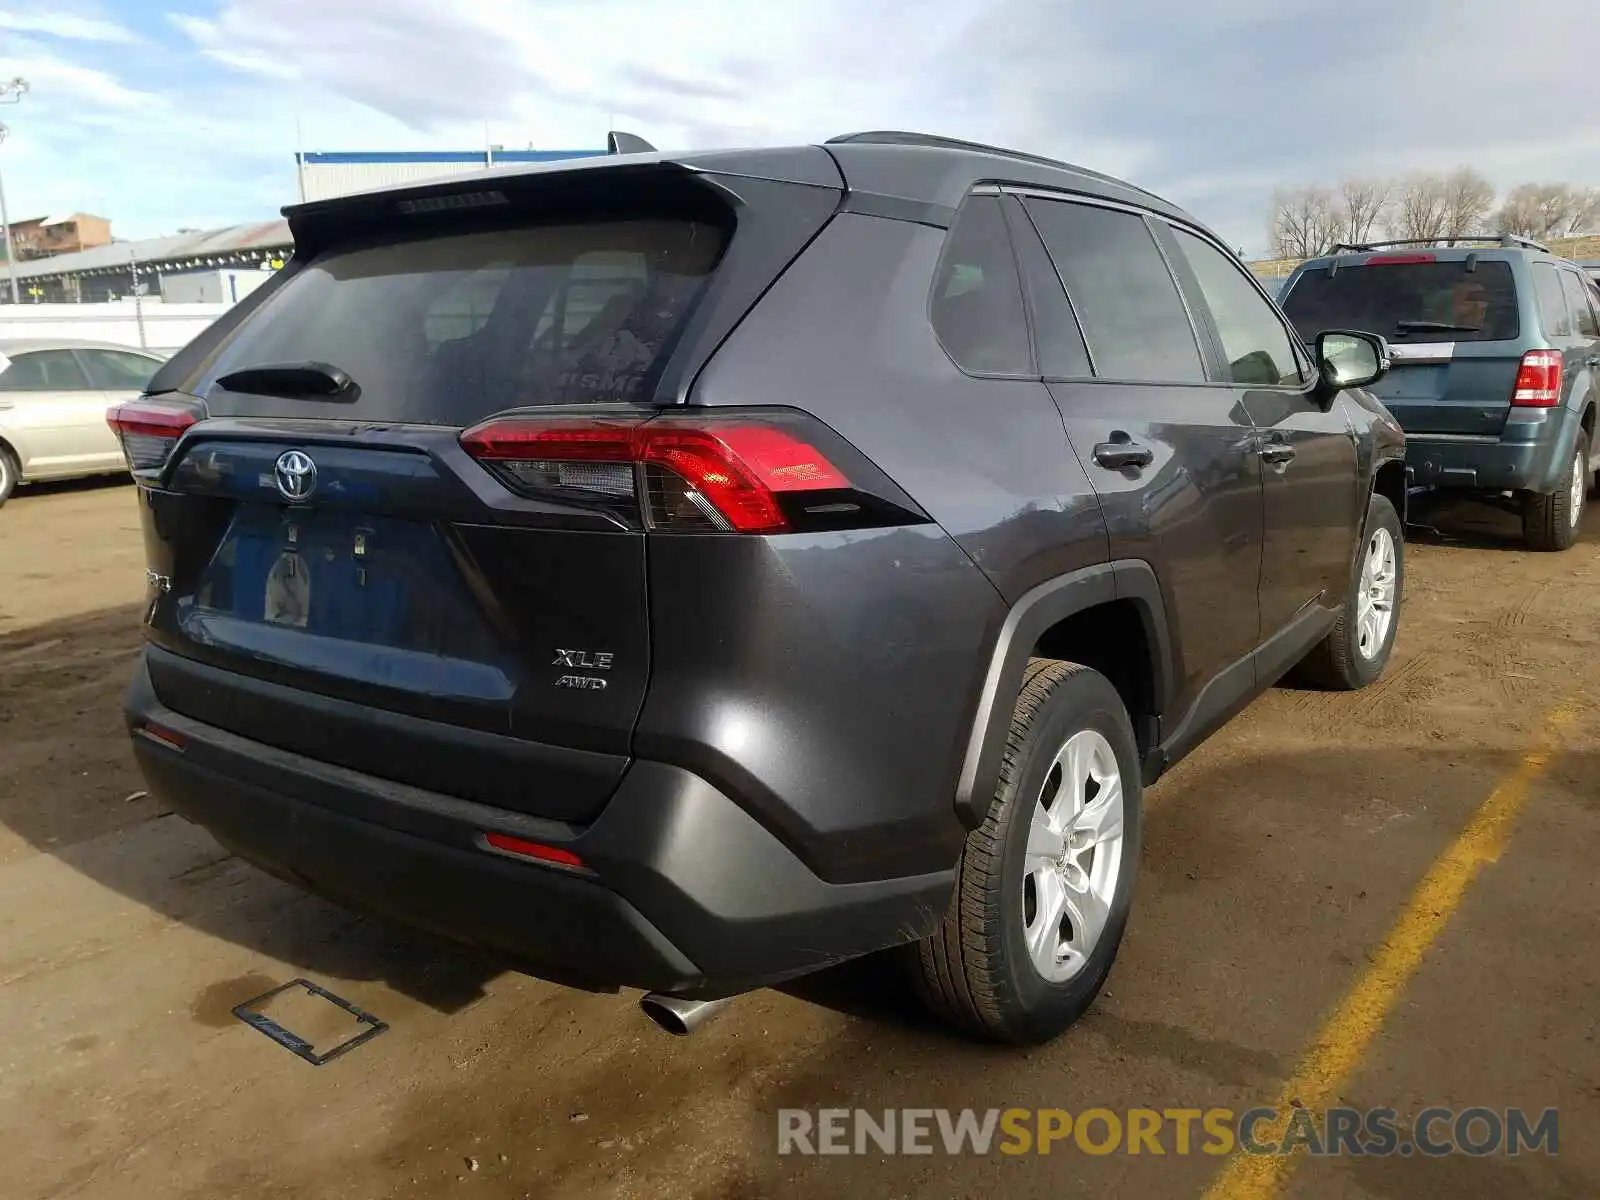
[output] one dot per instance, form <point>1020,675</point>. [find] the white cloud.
<point>69,26</point>
<point>1213,105</point>
<point>56,78</point>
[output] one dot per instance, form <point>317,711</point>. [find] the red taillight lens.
<point>708,475</point>
<point>148,430</point>
<point>740,470</point>
<point>554,855</point>
<point>1398,260</point>
<point>1538,380</point>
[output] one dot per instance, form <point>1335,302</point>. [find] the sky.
<point>169,114</point>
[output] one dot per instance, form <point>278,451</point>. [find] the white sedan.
<point>54,394</point>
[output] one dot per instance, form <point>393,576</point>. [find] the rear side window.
<point>1254,340</point>
<point>44,371</point>
<point>1127,302</point>
<point>1408,301</point>
<point>119,371</point>
<point>977,297</point>
<point>1578,303</point>
<point>1552,302</point>
<point>449,329</point>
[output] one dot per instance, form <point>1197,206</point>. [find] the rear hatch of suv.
<point>354,562</point>
<point>1453,323</point>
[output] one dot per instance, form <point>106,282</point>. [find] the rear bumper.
<point>685,892</point>
<point>1531,454</point>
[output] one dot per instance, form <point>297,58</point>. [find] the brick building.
<point>45,237</point>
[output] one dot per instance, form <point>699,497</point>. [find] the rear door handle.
<point>1595,361</point>
<point>1276,452</point>
<point>1123,454</point>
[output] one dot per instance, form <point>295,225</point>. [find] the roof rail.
<point>1491,239</point>
<point>897,137</point>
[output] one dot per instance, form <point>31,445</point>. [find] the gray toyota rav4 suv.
<point>685,572</point>
<point>1496,352</point>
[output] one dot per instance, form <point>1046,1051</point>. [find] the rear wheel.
<point>1550,522</point>
<point>1357,648</point>
<point>9,472</point>
<point>1044,884</point>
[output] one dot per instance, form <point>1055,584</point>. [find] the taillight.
<point>149,429</point>
<point>741,472</point>
<point>773,472</point>
<point>1538,380</point>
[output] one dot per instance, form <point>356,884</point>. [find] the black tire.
<point>1336,662</point>
<point>10,473</point>
<point>976,972</point>
<point>1550,522</point>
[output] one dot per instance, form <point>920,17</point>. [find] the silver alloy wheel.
<point>1074,856</point>
<point>1579,487</point>
<point>1376,597</point>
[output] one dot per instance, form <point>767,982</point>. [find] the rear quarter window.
<point>1553,313</point>
<point>977,294</point>
<point>1408,301</point>
<point>446,330</point>
<point>1583,317</point>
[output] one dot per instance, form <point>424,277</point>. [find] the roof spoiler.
<point>618,142</point>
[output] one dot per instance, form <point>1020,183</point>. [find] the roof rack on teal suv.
<point>1495,348</point>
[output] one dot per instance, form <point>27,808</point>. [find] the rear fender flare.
<point>1036,611</point>
<point>1566,441</point>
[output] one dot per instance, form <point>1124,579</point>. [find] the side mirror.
<point>1347,358</point>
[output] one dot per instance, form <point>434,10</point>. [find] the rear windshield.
<point>1408,302</point>
<point>449,329</point>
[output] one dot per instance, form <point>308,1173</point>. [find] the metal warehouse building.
<point>338,173</point>
<point>225,265</point>
<point>217,265</point>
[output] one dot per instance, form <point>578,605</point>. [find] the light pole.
<point>10,93</point>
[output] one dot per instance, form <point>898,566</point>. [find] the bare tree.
<point>1361,203</point>
<point>1468,197</point>
<point>1421,208</point>
<point>1304,222</point>
<point>1585,212</point>
<point>1545,210</point>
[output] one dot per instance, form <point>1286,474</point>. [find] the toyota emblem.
<point>296,475</point>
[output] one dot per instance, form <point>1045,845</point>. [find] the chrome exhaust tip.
<point>678,1016</point>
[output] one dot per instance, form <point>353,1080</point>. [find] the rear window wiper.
<point>1435,327</point>
<point>318,380</point>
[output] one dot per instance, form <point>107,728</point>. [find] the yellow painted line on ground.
<point>1347,1033</point>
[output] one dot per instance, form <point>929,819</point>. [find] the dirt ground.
<point>1276,860</point>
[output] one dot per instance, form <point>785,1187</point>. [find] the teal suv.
<point>1495,365</point>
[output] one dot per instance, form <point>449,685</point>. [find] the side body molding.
<point>1037,610</point>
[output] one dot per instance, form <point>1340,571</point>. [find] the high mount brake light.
<point>1397,260</point>
<point>1538,380</point>
<point>148,430</point>
<point>726,474</point>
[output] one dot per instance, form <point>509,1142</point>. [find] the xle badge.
<point>588,660</point>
